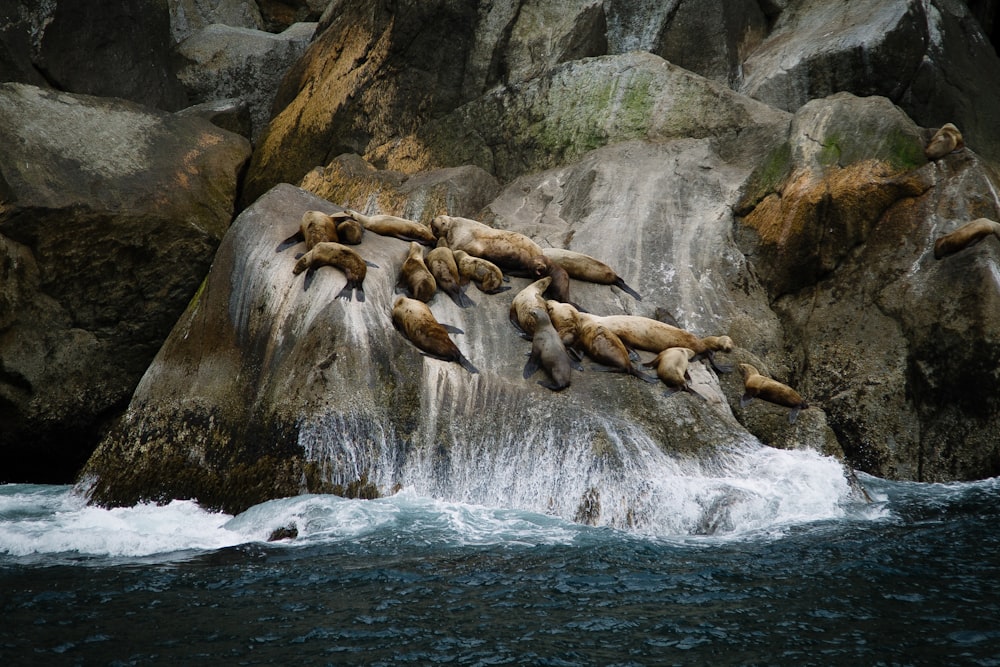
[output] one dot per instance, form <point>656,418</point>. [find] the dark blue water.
<point>911,579</point>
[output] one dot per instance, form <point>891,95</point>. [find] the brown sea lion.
<point>520,308</point>
<point>946,140</point>
<point>441,263</point>
<point>965,236</point>
<point>314,227</point>
<point>487,275</point>
<point>603,346</point>
<point>511,251</point>
<point>587,268</point>
<point>672,368</point>
<point>350,231</point>
<point>762,387</point>
<point>329,253</point>
<point>548,352</point>
<point>563,317</point>
<point>414,276</point>
<point>645,333</point>
<point>415,320</point>
<point>391,225</point>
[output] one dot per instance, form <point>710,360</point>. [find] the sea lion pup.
<point>587,268</point>
<point>672,368</point>
<point>391,225</point>
<point>414,276</point>
<point>511,251</point>
<point>441,263</point>
<point>520,308</point>
<point>417,323</point>
<point>965,236</point>
<point>772,391</point>
<point>329,253</point>
<point>548,352</point>
<point>314,227</point>
<point>645,333</point>
<point>946,140</point>
<point>603,346</point>
<point>487,275</point>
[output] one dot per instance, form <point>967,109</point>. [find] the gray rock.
<point>190,16</point>
<point>109,215</point>
<point>225,62</point>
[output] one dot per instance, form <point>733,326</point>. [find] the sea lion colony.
<point>561,333</point>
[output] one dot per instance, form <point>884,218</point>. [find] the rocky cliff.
<point>752,169</point>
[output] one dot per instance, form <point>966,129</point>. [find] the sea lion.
<point>391,225</point>
<point>965,236</point>
<point>350,231</point>
<point>329,253</point>
<point>558,289</point>
<point>414,276</point>
<point>603,346</point>
<point>417,323</point>
<point>511,251</point>
<point>772,391</point>
<point>587,268</point>
<point>645,333</point>
<point>487,275</point>
<point>563,317</point>
<point>520,308</point>
<point>314,227</point>
<point>548,352</point>
<point>946,140</point>
<point>441,263</point>
<point>672,368</point>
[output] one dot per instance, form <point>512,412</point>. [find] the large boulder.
<point>109,216</point>
<point>190,16</point>
<point>223,62</point>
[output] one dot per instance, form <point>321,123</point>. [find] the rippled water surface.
<point>910,579</point>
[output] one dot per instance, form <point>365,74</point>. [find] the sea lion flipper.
<point>573,363</point>
<point>452,329</point>
<point>372,264</point>
<point>642,376</point>
<point>746,398</point>
<point>669,391</point>
<point>619,283</point>
<point>793,414</point>
<point>347,292</point>
<point>633,355</point>
<point>359,292</point>
<point>689,389</point>
<point>310,276</point>
<point>466,364</point>
<point>463,300</point>
<point>290,241</point>
<point>531,365</point>
<point>549,384</point>
<point>298,255</point>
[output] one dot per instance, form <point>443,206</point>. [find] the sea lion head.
<point>722,343</point>
<point>440,225</point>
<point>540,266</point>
<point>746,370</point>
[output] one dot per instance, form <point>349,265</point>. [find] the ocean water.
<point>794,569</point>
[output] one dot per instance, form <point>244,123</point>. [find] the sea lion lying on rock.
<point>511,251</point>
<point>772,391</point>
<point>417,323</point>
<point>586,268</point>
<point>965,236</point>
<point>347,260</point>
<point>487,275</point>
<point>672,368</point>
<point>602,345</point>
<point>314,227</point>
<point>441,263</point>
<point>414,277</point>
<point>524,301</point>
<point>391,225</point>
<point>946,140</point>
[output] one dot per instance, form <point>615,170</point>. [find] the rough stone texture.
<point>190,16</point>
<point>120,49</point>
<point>898,349</point>
<point>224,62</point>
<point>353,183</point>
<point>232,114</point>
<point>109,215</point>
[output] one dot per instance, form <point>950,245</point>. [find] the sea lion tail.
<point>450,328</point>
<point>549,384</point>
<point>642,376</point>
<point>372,264</point>
<point>530,366</point>
<point>723,368</point>
<point>310,276</point>
<point>290,241</point>
<point>463,300</point>
<point>620,284</point>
